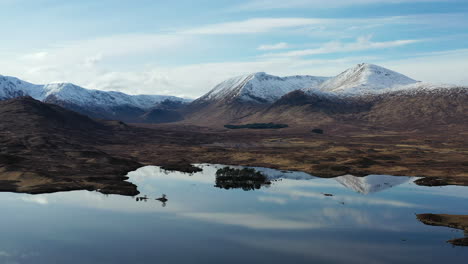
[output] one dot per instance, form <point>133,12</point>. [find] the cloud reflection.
<point>253,221</point>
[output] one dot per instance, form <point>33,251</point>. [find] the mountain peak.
<point>259,87</point>
<point>369,67</point>
<point>260,74</point>
<point>365,78</point>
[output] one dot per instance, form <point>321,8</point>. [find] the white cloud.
<point>439,67</point>
<point>362,43</point>
<point>323,26</point>
<point>277,46</point>
<point>256,25</point>
<point>193,80</point>
<point>134,63</point>
<point>91,61</point>
<point>36,56</point>
<point>279,4</point>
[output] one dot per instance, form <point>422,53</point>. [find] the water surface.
<point>297,218</point>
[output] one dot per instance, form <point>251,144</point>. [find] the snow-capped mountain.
<point>364,79</point>
<point>11,87</point>
<point>259,87</point>
<point>94,103</point>
<point>371,183</point>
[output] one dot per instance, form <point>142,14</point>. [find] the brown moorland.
<point>45,148</point>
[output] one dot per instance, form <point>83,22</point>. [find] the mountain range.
<point>94,103</point>
<point>367,95</point>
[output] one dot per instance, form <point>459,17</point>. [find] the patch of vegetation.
<point>246,179</point>
<point>257,126</point>
<point>317,131</point>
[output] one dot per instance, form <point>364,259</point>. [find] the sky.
<point>184,48</point>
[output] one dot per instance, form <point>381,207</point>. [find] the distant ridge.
<point>94,103</point>
<point>364,95</point>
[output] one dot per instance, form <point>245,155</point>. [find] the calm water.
<point>367,220</point>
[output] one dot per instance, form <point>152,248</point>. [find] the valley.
<point>375,121</point>
<point>80,153</point>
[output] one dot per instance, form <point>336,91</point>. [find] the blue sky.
<point>186,47</point>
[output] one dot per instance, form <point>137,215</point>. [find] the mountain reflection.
<point>287,215</point>
<point>371,183</point>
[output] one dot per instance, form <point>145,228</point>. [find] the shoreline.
<point>103,164</point>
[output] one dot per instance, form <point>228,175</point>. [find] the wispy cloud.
<point>255,25</point>
<point>361,43</point>
<point>273,24</point>
<point>277,46</point>
<point>271,199</point>
<point>278,4</point>
<point>253,221</point>
<point>191,59</point>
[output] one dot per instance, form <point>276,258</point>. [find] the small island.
<point>247,179</point>
<point>257,126</point>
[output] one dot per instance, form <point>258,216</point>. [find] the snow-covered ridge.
<point>360,80</point>
<point>11,87</point>
<point>260,87</point>
<point>363,79</point>
<point>368,79</point>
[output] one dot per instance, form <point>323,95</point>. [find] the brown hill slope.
<point>34,136</point>
<point>399,110</point>
<point>420,109</point>
<point>219,113</point>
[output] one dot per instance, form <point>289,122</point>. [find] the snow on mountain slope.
<point>83,97</point>
<point>259,87</point>
<point>11,87</point>
<point>364,79</point>
<point>371,183</point>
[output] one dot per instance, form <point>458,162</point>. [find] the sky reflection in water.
<point>367,220</point>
